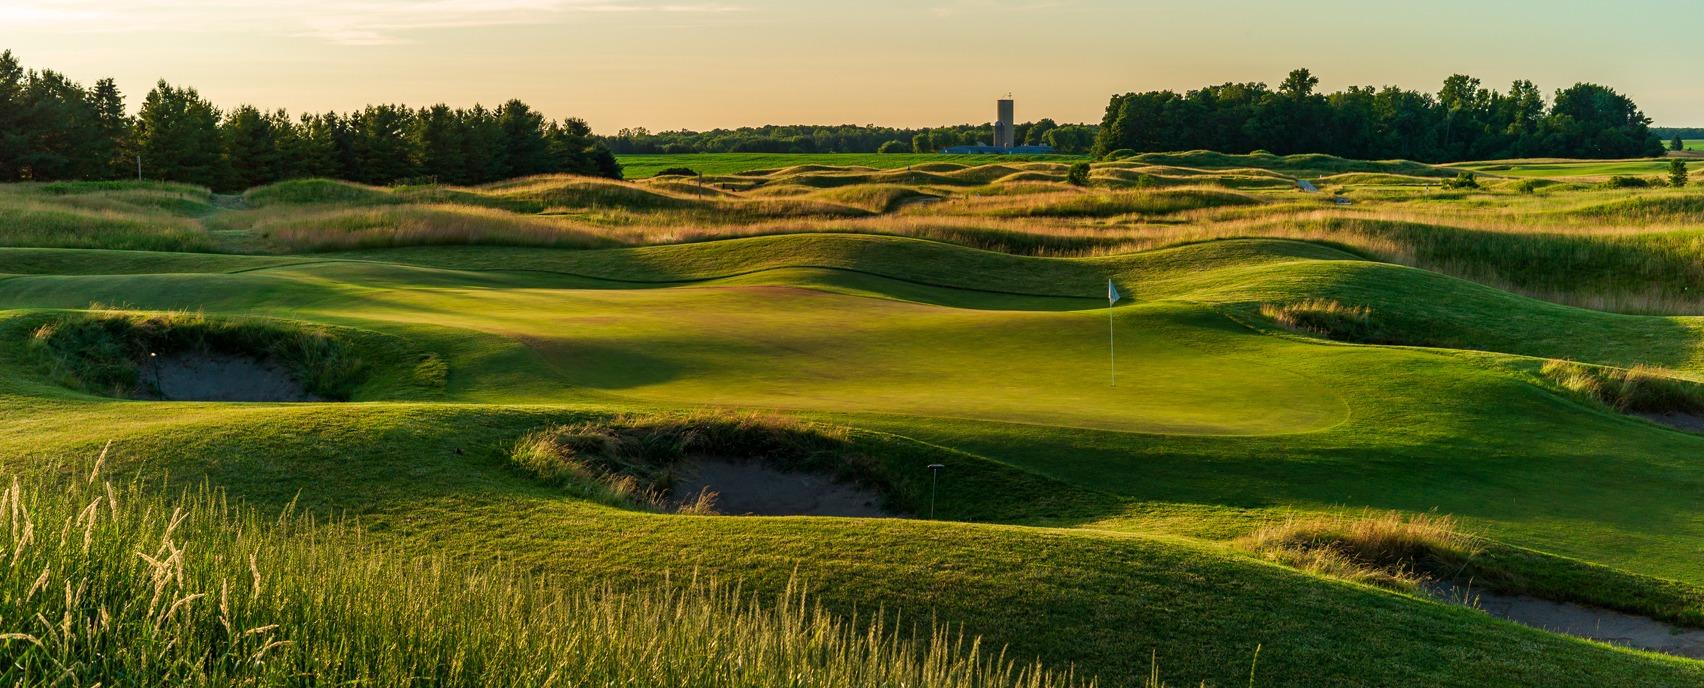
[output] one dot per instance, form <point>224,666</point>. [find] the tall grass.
<point>104,584</point>
<point>1389,550</point>
<point>1640,389</point>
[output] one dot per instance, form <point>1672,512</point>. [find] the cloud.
<point>343,22</point>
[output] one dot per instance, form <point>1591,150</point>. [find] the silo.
<point>1005,128</point>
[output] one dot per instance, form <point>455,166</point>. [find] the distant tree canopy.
<point>54,129</point>
<point>1463,121</point>
<point>845,138</point>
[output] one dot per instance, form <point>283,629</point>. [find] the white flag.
<point>1112,296</point>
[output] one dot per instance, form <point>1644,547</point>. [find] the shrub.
<point>1640,389</point>
<point>894,147</point>
<point>1528,186</point>
<point>1623,182</point>
<point>1463,180</point>
<point>1678,176</point>
<point>1079,174</point>
<point>678,172</point>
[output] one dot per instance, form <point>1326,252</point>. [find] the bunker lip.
<point>753,488</point>
<point>217,376</point>
<point>1616,628</point>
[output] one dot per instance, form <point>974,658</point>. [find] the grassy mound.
<point>193,591</point>
<point>1299,166</point>
<point>316,191</point>
<point>1099,204</point>
<point>126,216</point>
<point>391,226</point>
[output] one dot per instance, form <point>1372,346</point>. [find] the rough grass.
<point>149,219</point>
<point>113,585</point>
<point>1389,550</point>
<point>634,460</point>
<point>392,226</point>
<point>106,352</point>
<point>1639,389</point>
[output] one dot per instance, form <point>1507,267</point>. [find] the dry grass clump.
<point>636,460</point>
<point>1325,318</point>
<point>105,584</point>
<point>1640,389</point>
<point>1390,550</point>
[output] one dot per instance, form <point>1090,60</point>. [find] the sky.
<point>700,64</point>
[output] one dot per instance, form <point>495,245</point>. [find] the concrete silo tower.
<point>1005,129</point>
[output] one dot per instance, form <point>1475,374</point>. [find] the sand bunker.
<point>202,376</point>
<point>753,489</point>
<point>1679,421</point>
<point>1587,622</point>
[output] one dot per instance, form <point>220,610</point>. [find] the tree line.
<point>1463,121</point>
<point>846,138</point>
<point>52,128</point>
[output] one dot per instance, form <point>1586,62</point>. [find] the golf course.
<point>880,424</point>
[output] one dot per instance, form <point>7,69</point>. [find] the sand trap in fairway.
<point>1587,622</point>
<point>752,489</point>
<point>203,376</point>
<point>1678,421</point>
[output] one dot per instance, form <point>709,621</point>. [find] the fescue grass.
<point>1639,389</point>
<point>642,166</point>
<point>1326,318</point>
<point>113,585</point>
<point>1389,550</point>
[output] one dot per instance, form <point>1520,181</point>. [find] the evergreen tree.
<point>437,135</point>
<point>1678,176</point>
<point>383,153</point>
<point>177,134</point>
<point>113,147</point>
<point>251,149</point>
<point>1677,144</point>
<point>12,140</point>
<point>525,150</point>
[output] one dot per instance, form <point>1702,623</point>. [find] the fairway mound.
<point>748,488</point>
<point>1616,628</point>
<point>210,376</point>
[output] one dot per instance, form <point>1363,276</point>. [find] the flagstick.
<point>1111,351</point>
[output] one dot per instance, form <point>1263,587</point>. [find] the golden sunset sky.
<point>699,64</point>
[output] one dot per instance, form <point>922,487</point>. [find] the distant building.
<point>1005,136</point>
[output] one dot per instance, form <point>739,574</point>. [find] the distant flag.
<point>1112,297</point>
